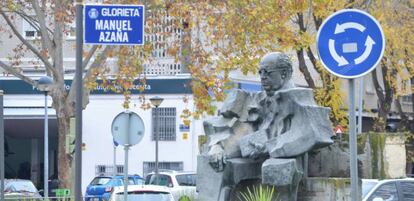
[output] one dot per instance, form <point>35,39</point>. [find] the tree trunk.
<point>301,57</point>
<point>185,56</point>
<point>385,97</point>
<point>405,122</point>
<point>64,160</point>
<point>303,69</point>
<point>63,113</point>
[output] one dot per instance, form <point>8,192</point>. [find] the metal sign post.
<point>79,101</point>
<point>350,44</point>
<point>115,168</point>
<point>127,130</point>
<point>353,142</point>
<point>1,147</point>
<point>360,105</point>
<point>126,148</point>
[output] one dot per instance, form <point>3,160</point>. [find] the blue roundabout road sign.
<point>350,43</point>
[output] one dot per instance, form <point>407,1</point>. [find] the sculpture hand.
<point>217,158</point>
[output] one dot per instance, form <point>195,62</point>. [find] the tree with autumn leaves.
<point>235,34</point>
<point>215,38</point>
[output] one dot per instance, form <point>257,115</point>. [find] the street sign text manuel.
<point>114,24</point>
<point>350,43</point>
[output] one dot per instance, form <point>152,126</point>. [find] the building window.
<point>407,99</point>
<point>166,124</point>
<point>29,30</point>
<point>149,167</point>
<point>108,170</point>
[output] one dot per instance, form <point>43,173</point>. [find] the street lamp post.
<point>156,101</point>
<point>44,85</point>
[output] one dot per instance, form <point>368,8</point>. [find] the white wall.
<point>97,120</point>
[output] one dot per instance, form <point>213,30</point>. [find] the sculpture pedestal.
<point>325,189</point>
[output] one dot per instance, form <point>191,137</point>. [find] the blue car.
<point>101,187</point>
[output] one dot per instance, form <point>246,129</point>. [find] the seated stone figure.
<point>262,135</point>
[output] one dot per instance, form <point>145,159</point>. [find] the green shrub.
<point>260,193</point>
<point>184,198</point>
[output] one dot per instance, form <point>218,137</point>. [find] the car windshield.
<point>186,179</point>
<point>144,196</point>
<point>367,186</point>
<point>20,186</point>
<point>100,180</point>
<point>160,179</point>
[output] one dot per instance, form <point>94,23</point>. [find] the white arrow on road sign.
<point>368,44</point>
<point>340,59</point>
<point>340,28</point>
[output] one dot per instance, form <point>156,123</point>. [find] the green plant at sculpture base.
<point>260,193</point>
<point>185,198</point>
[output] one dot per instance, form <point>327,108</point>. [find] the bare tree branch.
<point>88,57</point>
<point>377,86</point>
<point>48,65</point>
<point>301,58</point>
<point>97,63</point>
<point>46,41</point>
<point>16,73</point>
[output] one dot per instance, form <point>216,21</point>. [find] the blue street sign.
<point>115,143</point>
<point>114,24</point>
<point>350,43</point>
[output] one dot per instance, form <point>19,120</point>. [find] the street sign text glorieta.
<point>123,12</point>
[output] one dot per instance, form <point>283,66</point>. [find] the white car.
<point>388,190</point>
<point>142,193</point>
<point>180,183</point>
<point>20,189</point>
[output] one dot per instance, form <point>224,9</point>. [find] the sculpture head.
<point>275,71</point>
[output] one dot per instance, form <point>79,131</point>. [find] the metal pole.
<point>78,109</point>
<point>361,99</point>
<point>353,142</point>
<point>114,173</point>
<point>126,173</point>
<point>1,147</point>
<point>305,165</point>
<point>46,154</point>
<point>156,142</point>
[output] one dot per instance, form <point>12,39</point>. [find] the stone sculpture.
<point>262,136</point>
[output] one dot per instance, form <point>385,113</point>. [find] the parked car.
<point>142,193</point>
<point>17,189</point>
<point>180,183</point>
<point>388,190</point>
<point>101,186</point>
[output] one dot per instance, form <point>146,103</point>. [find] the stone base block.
<point>325,189</point>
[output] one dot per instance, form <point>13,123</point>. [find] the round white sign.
<point>127,128</point>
